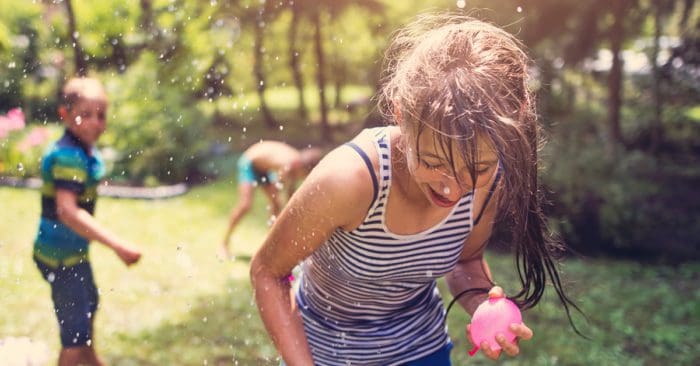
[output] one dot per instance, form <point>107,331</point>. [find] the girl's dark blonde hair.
<point>466,80</point>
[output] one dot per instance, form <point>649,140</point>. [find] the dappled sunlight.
<point>190,86</point>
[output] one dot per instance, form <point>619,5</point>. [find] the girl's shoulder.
<point>347,163</point>
<point>343,178</point>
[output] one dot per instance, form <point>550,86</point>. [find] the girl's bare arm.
<point>337,192</point>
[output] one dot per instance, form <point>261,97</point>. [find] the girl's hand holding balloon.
<point>496,325</point>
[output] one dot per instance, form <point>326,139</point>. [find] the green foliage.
<point>155,130</point>
<point>17,50</point>
<point>181,81</point>
<point>22,159</point>
<point>628,202</point>
<point>100,34</point>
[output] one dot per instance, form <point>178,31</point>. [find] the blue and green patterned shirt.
<point>66,165</point>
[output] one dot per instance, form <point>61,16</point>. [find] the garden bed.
<point>107,190</point>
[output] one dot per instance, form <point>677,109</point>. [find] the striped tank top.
<point>369,296</point>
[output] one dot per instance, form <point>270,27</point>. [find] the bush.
<point>21,150</point>
<point>637,204</point>
<point>154,126</point>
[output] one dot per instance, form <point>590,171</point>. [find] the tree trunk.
<point>294,59</point>
<point>616,35</point>
<point>656,87</point>
<point>338,91</point>
<point>258,67</point>
<point>320,77</point>
<point>147,22</point>
<point>78,55</point>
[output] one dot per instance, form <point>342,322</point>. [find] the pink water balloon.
<point>492,317</point>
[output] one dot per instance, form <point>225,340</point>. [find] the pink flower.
<point>13,120</point>
<point>36,137</point>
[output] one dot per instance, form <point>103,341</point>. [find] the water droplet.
<point>20,167</point>
<point>519,9</point>
<point>461,4</point>
<point>78,120</point>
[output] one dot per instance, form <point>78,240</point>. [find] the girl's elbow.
<point>257,270</point>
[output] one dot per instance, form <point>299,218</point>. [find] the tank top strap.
<point>383,145</point>
<point>380,183</point>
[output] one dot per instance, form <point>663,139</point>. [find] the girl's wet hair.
<point>465,81</point>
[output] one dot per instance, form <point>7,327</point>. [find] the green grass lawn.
<point>182,306</point>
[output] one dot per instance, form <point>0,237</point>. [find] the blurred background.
<point>193,83</point>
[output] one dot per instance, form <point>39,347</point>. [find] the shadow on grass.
<point>222,329</point>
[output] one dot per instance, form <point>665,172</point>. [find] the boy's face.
<point>86,119</point>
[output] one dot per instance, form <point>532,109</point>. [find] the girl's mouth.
<point>440,200</point>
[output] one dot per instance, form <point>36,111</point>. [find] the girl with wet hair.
<point>382,217</point>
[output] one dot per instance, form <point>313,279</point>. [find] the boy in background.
<point>71,170</point>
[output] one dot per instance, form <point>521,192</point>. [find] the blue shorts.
<point>75,300</point>
<point>440,357</point>
<point>248,174</point>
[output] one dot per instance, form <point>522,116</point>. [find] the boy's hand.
<point>520,330</point>
<point>127,254</point>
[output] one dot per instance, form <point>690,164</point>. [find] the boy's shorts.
<point>75,300</point>
<point>248,174</point>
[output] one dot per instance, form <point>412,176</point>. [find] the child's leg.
<point>75,301</point>
<point>245,201</point>
<point>83,355</point>
<point>272,194</point>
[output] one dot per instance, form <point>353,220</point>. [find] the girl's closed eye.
<point>432,166</point>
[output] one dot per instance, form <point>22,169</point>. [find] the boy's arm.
<point>80,221</point>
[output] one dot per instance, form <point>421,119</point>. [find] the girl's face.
<point>432,170</point>
<point>86,119</point>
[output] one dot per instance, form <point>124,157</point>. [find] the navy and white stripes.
<point>369,296</point>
